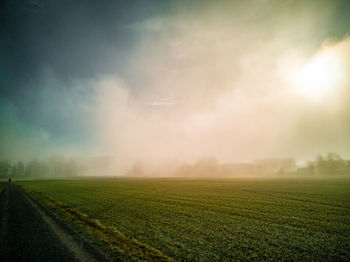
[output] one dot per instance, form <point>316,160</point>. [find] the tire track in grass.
<point>115,246</point>
<point>28,233</point>
<point>78,252</point>
<point>4,234</point>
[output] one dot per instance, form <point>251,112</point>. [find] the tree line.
<point>330,164</point>
<point>55,166</point>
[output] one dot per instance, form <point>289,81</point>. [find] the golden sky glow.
<point>224,89</point>
<point>320,76</point>
<point>237,80</point>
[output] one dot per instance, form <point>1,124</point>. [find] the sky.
<point>162,81</point>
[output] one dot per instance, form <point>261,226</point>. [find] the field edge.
<point>107,240</point>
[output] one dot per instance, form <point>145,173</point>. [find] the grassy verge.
<point>107,240</point>
<point>221,219</point>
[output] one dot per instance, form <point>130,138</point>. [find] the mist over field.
<point>165,85</point>
<point>174,130</point>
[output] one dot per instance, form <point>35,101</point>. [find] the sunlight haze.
<point>235,80</point>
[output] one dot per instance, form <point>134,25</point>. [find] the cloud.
<point>236,102</point>
<point>19,140</point>
<point>201,78</point>
<point>324,125</point>
<point>162,102</point>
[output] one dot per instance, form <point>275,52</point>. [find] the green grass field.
<point>207,220</point>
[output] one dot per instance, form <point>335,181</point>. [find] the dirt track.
<point>28,233</point>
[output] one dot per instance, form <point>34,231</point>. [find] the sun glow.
<point>320,76</point>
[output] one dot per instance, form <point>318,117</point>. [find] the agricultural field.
<point>210,220</point>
